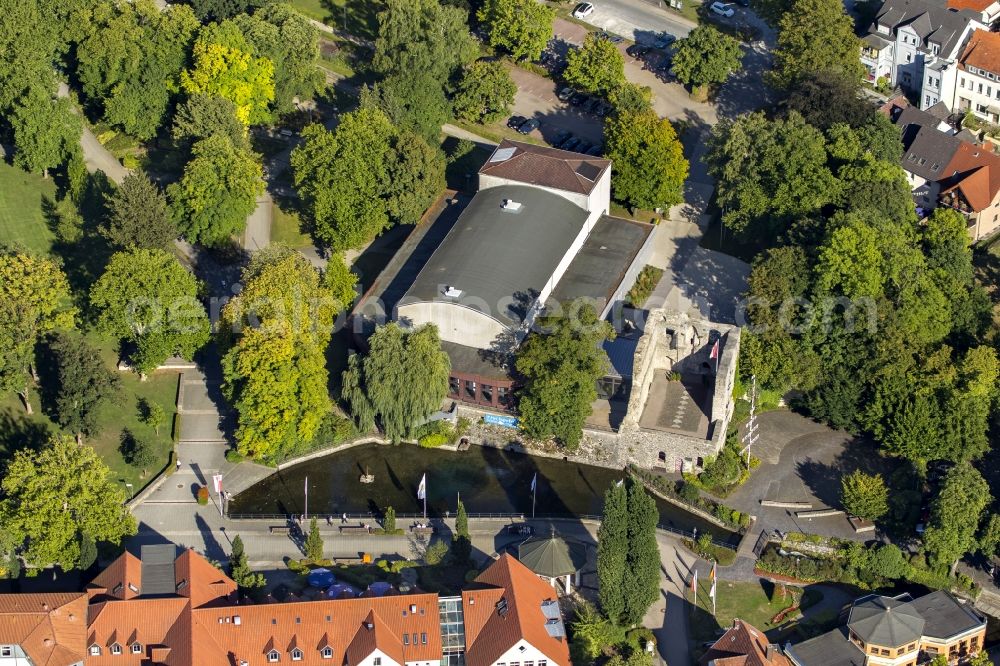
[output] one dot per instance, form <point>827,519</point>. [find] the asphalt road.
<point>638,20</point>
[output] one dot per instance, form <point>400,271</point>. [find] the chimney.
<point>772,652</point>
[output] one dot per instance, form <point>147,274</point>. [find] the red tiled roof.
<point>202,582</point>
<point>118,579</point>
<point>546,167</point>
<point>50,628</point>
<point>974,5</point>
<point>150,622</point>
<point>975,172</point>
<point>982,51</point>
<point>743,645</point>
<point>491,633</point>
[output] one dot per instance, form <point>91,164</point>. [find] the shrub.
<point>435,552</point>
<point>389,520</point>
<point>234,456</point>
<point>470,575</point>
<point>704,541</point>
<point>130,161</point>
<point>644,285</point>
<point>689,492</point>
<point>433,441</point>
<point>203,495</point>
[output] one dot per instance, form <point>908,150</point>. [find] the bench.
<point>422,530</point>
<point>354,528</point>
<point>279,529</point>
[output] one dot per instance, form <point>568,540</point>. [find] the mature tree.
<point>629,97</point>
<point>46,130</point>
<point>851,262</point>
<point>129,61</point>
<point>955,515</point>
<point>707,56</point>
<point>80,383</point>
<point>149,299</point>
<point>138,216</point>
<point>201,116</point>
<point>53,496</point>
<point>423,37</point>
<point>864,495</point>
<point>982,658</point>
<point>461,547</point>
<point>342,283</point>
<point>414,101</point>
<point>768,172</point>
<point>226,66</point>
<point>593,635</point>
<point>287,38</point>
<point>217,192</point>
<point>989,536</point>
<point>275,371</point>
<point>218,10</point>
<point>416,178</point>
<point>239,568</point>
<point>152,414</point>
<point>641,582</point>
<point>88,552</point>
<point>596,67</point>
<point>28,43</point>
<point>650,166</point>
<point>343,177</point>
<point>34,299</point>
<point>560,369</point>
<point>137,451</point>
<point>485,92</point>
<point>400,382</point>
<point>816,36</point>
<point>314,542</point>
<point>612,551</point>
<point>826,97</point>
<point>389,520</point>
<point>522,28</point>
<point>887,561</point>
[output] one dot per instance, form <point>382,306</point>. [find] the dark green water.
<point>489,480</point>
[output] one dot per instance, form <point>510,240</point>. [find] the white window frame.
<point>116,648</point>
<point>6,651</point>
<point>326,653</point>
<point>273,657</point>
<point>95,650</point>
<point>296,654</point>
<point>136,648</point>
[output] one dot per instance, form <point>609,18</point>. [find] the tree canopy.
<point>596,67</point>
<point>217,192</point>
<point>138,216</point>
<point>650,168</point>
<point>706,56</point>
<point>816,36</point>
<point>201,116</point>
<point>560,369</point>
<point>864,495</point>
<point>46,131</point>
<point>400,381</point>
<point>955,514</point>
<point>485,92</point>
<point>147,298</point>
<point>612,551</point>
<point>54,496</point>
<point>78,382</point>
<point>522,28</point>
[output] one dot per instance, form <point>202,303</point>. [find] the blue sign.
<point>497,419</point>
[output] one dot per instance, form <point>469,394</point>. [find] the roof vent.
<point>451,292</point>
<point>502,155</point>
<point>370,626</point>
<point>413,608</point>
<point>237,620</point>
<point>502,607</point>
<point>511,205</point>
<point>472,601</point>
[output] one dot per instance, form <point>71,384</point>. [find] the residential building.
<point>915,44</point>
<point>179,610</point>
<point>988,10</point>
<point>743,645</point>
<point>897,631</point>
<point>978,87</point>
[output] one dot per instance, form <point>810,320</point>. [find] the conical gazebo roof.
<point>552,556</point>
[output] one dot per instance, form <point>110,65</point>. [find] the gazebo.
<point>553,558</point>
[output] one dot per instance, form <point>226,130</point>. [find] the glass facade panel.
<point>452,618</point>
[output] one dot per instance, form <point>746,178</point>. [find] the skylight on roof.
<point>502,155</point>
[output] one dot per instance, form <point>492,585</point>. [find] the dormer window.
<point>273,657</point>
<point>95,650</point>
<point>327,652</point>
<point>296,655</point>
<point>116,649</point>
<point>136,648</point>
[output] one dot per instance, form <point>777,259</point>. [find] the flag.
<point>711,592</point>
<point>422,488</point>
<point>715,350</point>
<point>694,584</point>
<point>534,482</point>
<point>711,576</point>
<point>217,482</point>
<point>620,482</point>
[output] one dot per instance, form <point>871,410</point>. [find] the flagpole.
<point>306,516</point>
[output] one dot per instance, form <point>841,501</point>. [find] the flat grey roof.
<point>475,361</point>
<point>497,255</point>
<point>829,649</point>
<point>600,266</point>
<point>158,569</point>
<point>944,615</point>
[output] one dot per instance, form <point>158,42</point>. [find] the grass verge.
<point>26,196</point>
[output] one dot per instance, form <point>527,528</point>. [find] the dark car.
<point>614,39</point>
<point>565,94</point>
<point>664,40</point>
<point>595,151</point>
<point>583,146</point>
<point>577,99</point>
<point>560,138</point>
<point>515,122</point>
<point>743,3</point>
<point>520,529</point>
<point>570,144</point>
<point>603,109</point>
<point>590,104</point>
<point>637,50</point>
<point>528,126</point>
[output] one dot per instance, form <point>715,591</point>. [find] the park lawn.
<point>746,601</point>
<point>22,208</point>
<point>18,430</point>
<point>361,15</point>
<point>286,227</point>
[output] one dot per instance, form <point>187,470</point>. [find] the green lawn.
<point>360,15</point>
<point>22,208</point>
<point>18,430</point>
<point>286,227</point>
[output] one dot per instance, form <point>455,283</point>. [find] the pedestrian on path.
<point>178,464</point>
<point>343,519</point>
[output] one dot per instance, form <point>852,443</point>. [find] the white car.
<point>722,9</point>
<point>583,10</point>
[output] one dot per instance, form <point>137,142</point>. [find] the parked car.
<point>664,40</point>
<point>722,9</point>
<point>637,50</point>
<point>603,109</point>
<point>595,151</point>
<point>743,3</point>
<point>583,10</point>
<point>577,99</point>
<point>528,126</point>
<point>583,147</point>
<point>590,104</point>
<point>614,39</point>
<point>520,529</point>
<point>515,122</point>
<point>560,137</point>
<point>571,143</point>
<point>565,94</point>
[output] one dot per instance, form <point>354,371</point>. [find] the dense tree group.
<point>706,56</point>
<point>521,28</point>
<point>596,67</point>
<point>649,164</point>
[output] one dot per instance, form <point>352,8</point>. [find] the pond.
<point>489,481</point>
